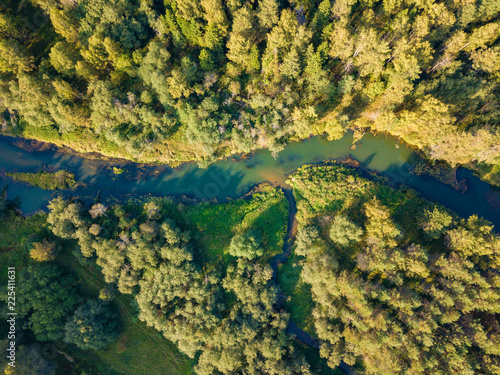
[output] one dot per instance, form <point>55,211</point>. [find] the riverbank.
<point>175,152</point>
<point>233,177</point>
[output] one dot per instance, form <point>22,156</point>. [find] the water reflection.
<point>235,176</point>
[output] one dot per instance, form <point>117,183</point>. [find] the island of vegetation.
<point>391,283</point>
<point>46,180</point>
<point>173,81</point>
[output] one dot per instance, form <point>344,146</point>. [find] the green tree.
<point>268,13</point>
<point>436,222</point>
<point>46,297</point>
<point>248,245</point>
<point>44,251</point>
<point>93,326</point>
<point>380,229</point>
<point>14,57</point>
<point>343,231</point>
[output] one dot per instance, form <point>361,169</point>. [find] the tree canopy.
<point>93,325</point>
<point>181,80</point>
<point>393,301</point>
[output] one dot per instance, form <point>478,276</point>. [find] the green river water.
<point>235,176</point>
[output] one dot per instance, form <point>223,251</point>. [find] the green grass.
<point>299,303</point>
<point>46,180</point>
<point>16,235</point>
<point>215,224</point>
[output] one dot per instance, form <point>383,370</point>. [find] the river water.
<point>235,176</point>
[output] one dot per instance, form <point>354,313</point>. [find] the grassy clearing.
<point>215,224</point>
<point>46,180</point>
<point>299,303</point>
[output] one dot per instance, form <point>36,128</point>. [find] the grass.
<point>216,224</point>
<point>16,235</point>
<point>299,303</point>
<point>46,180</point>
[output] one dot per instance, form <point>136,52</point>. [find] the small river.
<point>235,176</point>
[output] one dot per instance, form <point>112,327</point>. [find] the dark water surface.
<point>235,176</point>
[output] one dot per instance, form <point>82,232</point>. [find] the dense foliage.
<point>226,318</point>
<point>399,297</point>
<point>47,297</point>
<point>93,326</point>
<point>196,79</point>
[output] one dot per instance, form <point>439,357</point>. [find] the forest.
<point>389,282</point>
<point>176,81</point>
<point>338,270</point>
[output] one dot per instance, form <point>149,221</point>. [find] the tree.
<point>291,64</point>
<point>93,326</point>
<point>44,251</point>
<point>248,245</point>
<point>380,229</point>
<point>241,44</point>
<point>63,58</point>
<point>98,210</point>
<point>268,13</point>
<point>46,297</point>
<point>436,222</point>
<point>65,218</point>
<point>206,60</point>
<point>110,258</point>
<point>14,57</point>
<point>65,23</point>
<point>342,231</point>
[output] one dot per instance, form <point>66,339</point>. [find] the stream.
<point>233,177</point>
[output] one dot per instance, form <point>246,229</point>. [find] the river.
<point>234,176</point>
